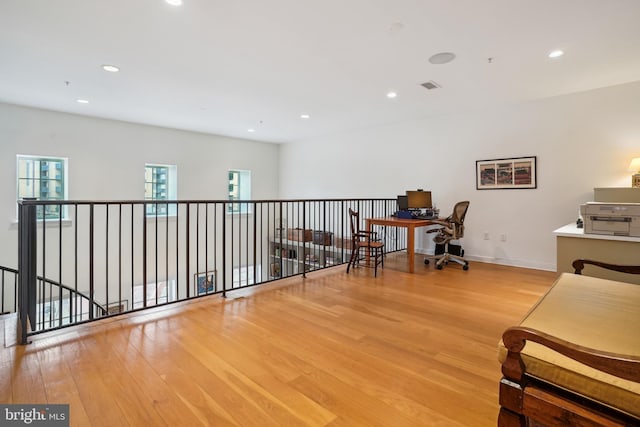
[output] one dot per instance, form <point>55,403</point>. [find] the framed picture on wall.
<point>205,282</point>
<point>498,174</point>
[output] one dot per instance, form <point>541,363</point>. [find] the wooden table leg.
<point>411,248</point>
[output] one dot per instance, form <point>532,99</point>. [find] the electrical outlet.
<point>486,236</point>
<point>503,237</point>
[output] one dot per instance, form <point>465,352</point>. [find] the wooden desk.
<point>573,243</point>
<point>409,224</point>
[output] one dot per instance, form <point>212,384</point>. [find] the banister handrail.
<point>191,201</point>
<point>9,269</point>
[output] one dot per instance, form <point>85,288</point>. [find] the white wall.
<point>581,141</point>
<point>107,158</point>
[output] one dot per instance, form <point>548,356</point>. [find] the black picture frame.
<point>507,173</point>
<point>206,282</point>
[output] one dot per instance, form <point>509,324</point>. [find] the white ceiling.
<point>224,66</point>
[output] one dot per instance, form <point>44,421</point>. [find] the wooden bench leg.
<point>506,418</point>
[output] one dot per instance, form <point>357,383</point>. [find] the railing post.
<point>187,236</point>
<point>224,250</point>
<point>280,239</point>
<point>27,243</point>
<point>91,263</point>
<point>304,243</point>
<point>144,253</point>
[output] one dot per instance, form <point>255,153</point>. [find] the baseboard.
<point>513,262</point>
<point>501,261</point>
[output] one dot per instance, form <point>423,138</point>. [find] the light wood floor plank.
<point>328,350</point>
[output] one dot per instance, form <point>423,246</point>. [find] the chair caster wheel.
<point>426,262</point>
<point>439,267</point>
<point>465,267</point>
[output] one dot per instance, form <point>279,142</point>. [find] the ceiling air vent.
<point>430,85</point>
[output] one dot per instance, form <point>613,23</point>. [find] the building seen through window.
<point>160,185</point>
<point>45,179</point>
<point>239,189</point>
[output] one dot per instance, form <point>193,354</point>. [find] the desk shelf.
<point>573,243</point>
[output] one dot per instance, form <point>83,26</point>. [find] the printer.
<point>614,219</point>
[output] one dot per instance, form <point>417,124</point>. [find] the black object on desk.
<point>414,214</point>
<point>424,217</point>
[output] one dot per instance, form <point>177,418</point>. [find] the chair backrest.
<point>354,221</point>
<point>457,218</point>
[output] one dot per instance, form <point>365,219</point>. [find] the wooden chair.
<point>367,240</point>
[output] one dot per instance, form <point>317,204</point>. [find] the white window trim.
<point>172,191</point>
<point>249,207</point>
<point>65,211</point>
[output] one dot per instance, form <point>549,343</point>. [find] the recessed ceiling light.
<point>251,130</point>
<point>82,101</point>
<point>556,53</point>
<point>391,95</point>
<point>110,68</point>
<point>174,2</point>
<point>442,58</point>
<point>304,116</point>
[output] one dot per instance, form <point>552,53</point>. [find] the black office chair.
<point>367,240</point>
<point>451,228</point>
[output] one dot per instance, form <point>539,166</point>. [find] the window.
<point>45,179</point>
<point>160,184</point>
<point>239,189</point>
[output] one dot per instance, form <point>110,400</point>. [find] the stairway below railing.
<point>58,304</point>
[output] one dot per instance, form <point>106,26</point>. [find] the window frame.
<point>243,193</point>
<point>171,191</point>
<point>63,180</point>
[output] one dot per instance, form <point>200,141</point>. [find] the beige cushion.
<point>595,313</point>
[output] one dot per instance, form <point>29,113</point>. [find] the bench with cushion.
<point>575,357</point>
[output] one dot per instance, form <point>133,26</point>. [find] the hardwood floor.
<point>332,349</point>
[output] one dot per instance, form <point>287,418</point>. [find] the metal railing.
<point>49,291</point>
<point>8,289</point>
<point>101,258</point>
